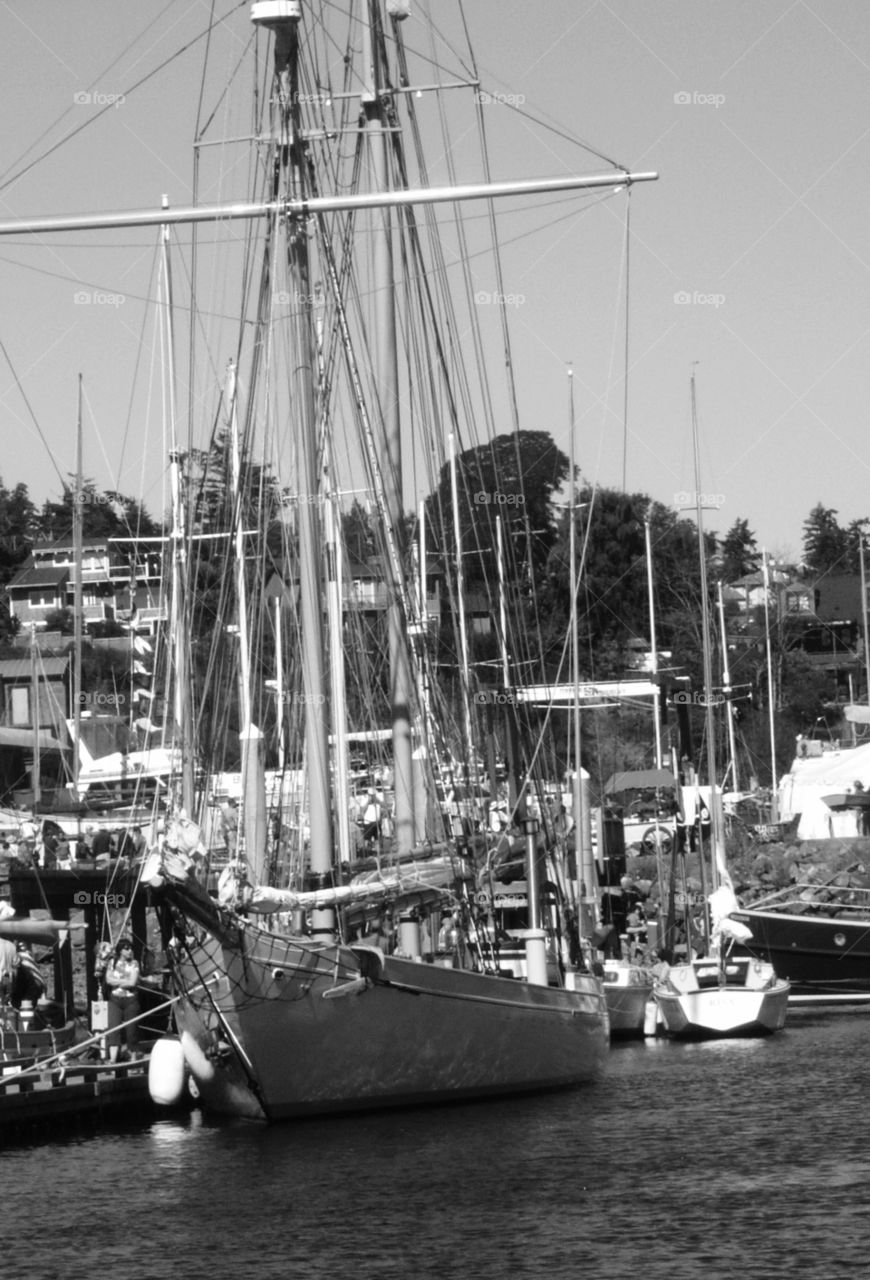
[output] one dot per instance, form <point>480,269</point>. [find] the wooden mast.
<point>78,559</point>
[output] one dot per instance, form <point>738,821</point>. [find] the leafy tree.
<point>18,519</point>
<point>825,542</point>
<point>62,620</point>
<point>739,552</point>
<point>613,600</point>
<point>515,476</point>
<point>856,531</point>
<point>107,514</point>
<point>17,526</point>
<point>359,537</point>
<point>265,514</point>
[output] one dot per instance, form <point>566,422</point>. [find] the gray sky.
<point>748,259</point>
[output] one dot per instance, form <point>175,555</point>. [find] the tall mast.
<point>239,543</point>
<point>864,611</point>
<point>726,689</point>
<point>771,692</point>
<point>586,870</point>
<point>36,785</point>
<point>716,819</point>
<point>283,19</point>
<point>375,106</point>
<point>654,653</point>
<point>253,815</point>
<point>78,559</point>
<point>182,726</point>
<point>460,605</point>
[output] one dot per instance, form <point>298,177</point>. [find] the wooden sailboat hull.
<point>275,1027</point>
<point>726,1011</point>
<point>718,996</point>
<point>627,989</point>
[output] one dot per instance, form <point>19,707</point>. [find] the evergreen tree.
<point>739,552</point>
<point>825,542</point>
<point>106,514</point>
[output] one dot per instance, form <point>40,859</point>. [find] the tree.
<point>18,518</point>
<point>17,527</point>
<point>107,514</point>
<point>357,533</point>
<point>514,476</point>
<point>825,542</point>
<point>739,552</point>
<point>855,533</point>
<point>62,620</point>
<point>613,600</point>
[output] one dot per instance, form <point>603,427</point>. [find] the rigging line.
<point>33,417</point>
<point>470,70</point>
<point>95,81</point>
<point>558,131</point>
<point>511,380</point>
<point>627,338</point>
<point>92,119</point>
<point>201,131</point>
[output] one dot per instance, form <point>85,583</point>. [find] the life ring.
<point>657,839</point>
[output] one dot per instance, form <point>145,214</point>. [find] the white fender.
<point>166,1072</point>
<point>202,1068</point>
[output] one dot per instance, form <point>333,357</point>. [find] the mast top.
<point>275,13</point>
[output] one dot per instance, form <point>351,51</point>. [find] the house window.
<point>19,706</point>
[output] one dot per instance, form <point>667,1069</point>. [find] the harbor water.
<point>719,1159</point>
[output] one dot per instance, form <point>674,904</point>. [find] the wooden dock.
<point>35,1097</point>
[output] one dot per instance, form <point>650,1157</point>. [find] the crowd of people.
<point>44,845</point>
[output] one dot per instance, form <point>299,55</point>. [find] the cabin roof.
<point>639,778</point>
<point>21,668</point>
<point>40,575</point>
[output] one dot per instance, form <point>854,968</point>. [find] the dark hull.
<point>292,1029</point>
<point>812,950</point>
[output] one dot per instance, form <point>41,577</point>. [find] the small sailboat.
<point>711,992</point>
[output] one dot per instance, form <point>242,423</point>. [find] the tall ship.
<point>359,975</point>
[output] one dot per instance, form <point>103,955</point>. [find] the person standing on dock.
<point>230,827</point>
<point>122,981</point>
<point>28,983</point>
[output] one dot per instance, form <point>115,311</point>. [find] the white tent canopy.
<point>803,790</point>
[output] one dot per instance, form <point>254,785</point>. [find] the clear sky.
<point>749,259</point>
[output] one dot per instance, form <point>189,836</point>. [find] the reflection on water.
<point>684,1160</point>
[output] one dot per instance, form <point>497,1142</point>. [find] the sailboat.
<point>712,992</point>
<point>385,989</point>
